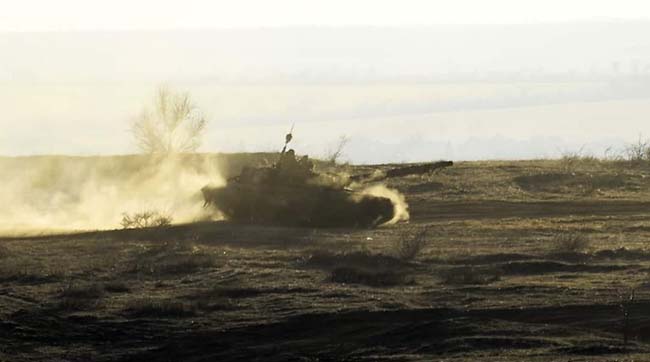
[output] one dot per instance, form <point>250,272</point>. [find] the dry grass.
<point>560,182</point>
<point>236,276</point>
<point>4,252</point>
<point>570,243</point>
<point>575,161</point>
<point>172,258</point>
<point>410,244</point>
<point>22,269</point>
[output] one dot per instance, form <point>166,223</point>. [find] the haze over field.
<point>403,88</point>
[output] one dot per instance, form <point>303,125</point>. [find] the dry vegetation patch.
<point>4,252</point>
<point>362,267</point>
<point>172,258</point>
<point>409,244</point>
<point>570,243</point>
<point>22,269</point>
<point>569,182</point>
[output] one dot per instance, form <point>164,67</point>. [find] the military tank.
<point>290,193</point>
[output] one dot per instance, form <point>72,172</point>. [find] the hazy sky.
<point>389,74</point>
<point>47,15</point>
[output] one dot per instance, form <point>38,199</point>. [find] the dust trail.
<point>85,193</point>
<point>342,180</point>
<point>399,202</point>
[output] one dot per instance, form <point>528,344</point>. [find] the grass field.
<point>501,261</point>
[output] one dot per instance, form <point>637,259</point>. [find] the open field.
<point>530,260</point>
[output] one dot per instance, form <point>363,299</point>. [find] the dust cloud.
<point>50,193</point>
<point>399,202</point>
<point>340,180</point>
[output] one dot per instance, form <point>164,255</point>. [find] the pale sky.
<point>66,15</point>
<point>582,79</point>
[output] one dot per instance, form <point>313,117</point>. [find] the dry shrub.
<point>570,243</point>
<point>145,219</point>
<point>410,244</point>
<point>638,151</point>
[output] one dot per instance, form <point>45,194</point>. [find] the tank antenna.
<point>288,138</point>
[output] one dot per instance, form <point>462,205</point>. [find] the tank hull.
<point>307,205</point>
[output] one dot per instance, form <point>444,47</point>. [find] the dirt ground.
<point>513,261</point>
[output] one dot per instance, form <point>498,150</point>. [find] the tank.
<point>290,193</point>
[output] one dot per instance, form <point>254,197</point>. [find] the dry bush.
<point>570,243</point>
<point>172,125</point>
<point>145,219</point>
<point>638,151</point>
<point>469,275</point>
<point>410,244</point>
<point>160,308</point>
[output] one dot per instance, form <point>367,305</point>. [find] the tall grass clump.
<point>408,245</point>
<point>570,242</point>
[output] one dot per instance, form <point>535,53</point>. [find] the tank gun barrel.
<point>406,171</point>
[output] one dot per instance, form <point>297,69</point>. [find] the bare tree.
<point>173,125</point>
